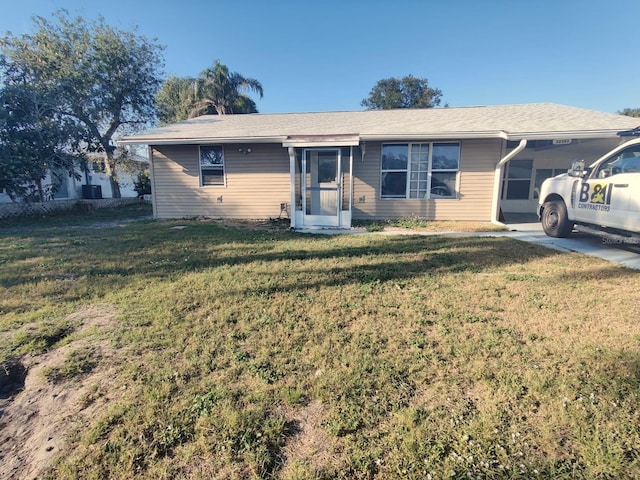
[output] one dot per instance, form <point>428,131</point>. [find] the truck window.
<point>626,161</point>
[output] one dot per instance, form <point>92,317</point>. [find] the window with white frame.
<point>420,170</point>
<point>516,181</point>
<point>212,166</point>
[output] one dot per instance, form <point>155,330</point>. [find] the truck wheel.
<point>555,222</point>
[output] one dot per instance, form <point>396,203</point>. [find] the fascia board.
<point>323,143</point>
<point>436,136</point>
<point>197,140</point>
<point>573,134</point>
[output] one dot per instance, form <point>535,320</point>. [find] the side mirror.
<point>577,168</point>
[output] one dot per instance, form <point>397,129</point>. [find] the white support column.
<point>351,185</point>
<point>152,179</point>
<point>292,174</point>
<point>497,181</point>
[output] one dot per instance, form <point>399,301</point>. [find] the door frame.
<point>312,190</point>
<point>345,151</point>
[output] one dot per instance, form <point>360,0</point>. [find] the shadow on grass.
<point>160,250</point>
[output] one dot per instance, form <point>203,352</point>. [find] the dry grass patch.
<point>264,353</point>
<point>309,448</point>
<point>59,391</point>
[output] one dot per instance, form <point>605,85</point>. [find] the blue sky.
<point>326,55</point>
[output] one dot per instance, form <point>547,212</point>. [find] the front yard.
<point>194,349</point>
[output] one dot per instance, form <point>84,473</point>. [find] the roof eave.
<point>453,135</point>
<point>573,134</point>
<point>436,136</point>
<point>341,140</point>
<point>197,140</point>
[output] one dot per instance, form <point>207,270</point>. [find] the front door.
<point>321,187</point>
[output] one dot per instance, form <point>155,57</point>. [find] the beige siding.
<point>478,159</point>
<point>256,183</point>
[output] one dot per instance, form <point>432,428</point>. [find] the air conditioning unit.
<point>91,191</point>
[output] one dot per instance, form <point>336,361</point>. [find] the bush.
<point>142,184</point>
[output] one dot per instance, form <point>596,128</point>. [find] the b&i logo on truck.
<point>595,196</point>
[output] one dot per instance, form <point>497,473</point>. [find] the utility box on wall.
<point>91,191</point>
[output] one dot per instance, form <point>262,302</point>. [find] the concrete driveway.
<point>622,254</point>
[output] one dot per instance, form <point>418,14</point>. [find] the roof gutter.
<point>573,134</point>
<point>350,139</point>
<point>435,136</point>
<point>197,140</point>
<point>497,177</point>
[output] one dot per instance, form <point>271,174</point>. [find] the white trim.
<point>319,141</point>
<point>345,142</point>
<point>292,175</point>
<point>325,144</point>
<point>506,178</point>
<point>320,220</point>
<point>154,197</point>
<point>198,140</point>
<point>434,137</point>
<point>350,185</point>
<point>224,168</point>
<point>574,134</point>
<point>430,170</point>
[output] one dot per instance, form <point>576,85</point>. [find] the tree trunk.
<point>115,188</point>
<point>110,170</point>
<point>40,190</point>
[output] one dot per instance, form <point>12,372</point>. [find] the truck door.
<point>605,197</point>
<point>628,176</point>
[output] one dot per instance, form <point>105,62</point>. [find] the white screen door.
<point>321,195</point>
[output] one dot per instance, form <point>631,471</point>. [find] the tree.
<point>406,92</point>
<point>215,91</point>
<point>35,140</point>
<point>630,112</point>
<point>221,90</point>
<point>175,99</point>
<point>106,79</point>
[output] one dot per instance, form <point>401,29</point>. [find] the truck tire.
<point>555,221</point>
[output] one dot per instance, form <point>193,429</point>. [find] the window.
<point>419,177</point>
<point>419,170</point>
<point>394,171</point>
<point>211,166</point>
<point>444,169</point>
<point>517,181</point>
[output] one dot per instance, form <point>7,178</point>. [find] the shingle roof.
<point>536,120</point>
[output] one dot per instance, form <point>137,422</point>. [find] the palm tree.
<point>218,89</point>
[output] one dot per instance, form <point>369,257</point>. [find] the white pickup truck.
<point>603,199</point>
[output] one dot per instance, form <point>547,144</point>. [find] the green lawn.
<point>235,352</point>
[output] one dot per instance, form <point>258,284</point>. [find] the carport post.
<point>292,173</point>
<point>497,181</point>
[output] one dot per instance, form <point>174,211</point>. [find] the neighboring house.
<point>326,169</point>
<point>92,182</point>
